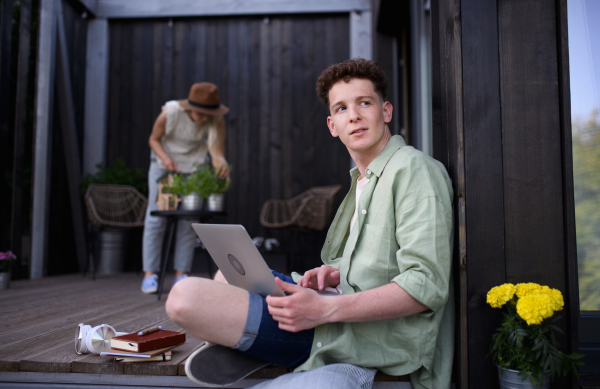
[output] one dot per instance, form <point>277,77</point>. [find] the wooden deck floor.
<point>37,325</point>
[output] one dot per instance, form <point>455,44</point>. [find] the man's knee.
<point>183,299</point>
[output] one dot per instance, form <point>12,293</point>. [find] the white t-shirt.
<point>360,184</point>
<point>185,141</point>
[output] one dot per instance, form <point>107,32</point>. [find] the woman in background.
<point>182,136</point>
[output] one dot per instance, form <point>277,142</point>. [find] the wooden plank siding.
<point>502,94</point>
<point>266,70</point>
<point>483,178</point>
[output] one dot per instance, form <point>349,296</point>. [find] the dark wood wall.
<point>501,87</point>
<point>266,70</point>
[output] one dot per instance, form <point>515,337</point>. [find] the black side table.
<point>171,231</point>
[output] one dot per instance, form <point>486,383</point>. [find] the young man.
<point>389,247</point>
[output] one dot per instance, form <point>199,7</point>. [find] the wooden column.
<point>43,128</point>
<point>360,35</point>
<point>96,95</point>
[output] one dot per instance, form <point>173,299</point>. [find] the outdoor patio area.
<point>38,319</point>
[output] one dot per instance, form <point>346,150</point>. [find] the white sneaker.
<point>150,284</point>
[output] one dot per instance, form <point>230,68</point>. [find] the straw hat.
<point>204,98</point>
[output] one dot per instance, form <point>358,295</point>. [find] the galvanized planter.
<point>191,202</point>
<point>112,248</point>
<point>510,379</point>
<point>216,202</point>
<point>4,280</point>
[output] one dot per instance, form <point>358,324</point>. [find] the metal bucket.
<point>510,379</point>
<point>191,202</point>
<point>113,245</point>
<point>4,280</point>
<point>216,202</point>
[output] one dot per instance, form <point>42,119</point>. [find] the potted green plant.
<point>203,183</point>
<point>524,347</point>
<point>217,187</point>
<point>6,262</point>
<point>188,189</point>
<point>117,173</point>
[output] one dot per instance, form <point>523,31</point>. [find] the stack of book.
<point>146,346</point>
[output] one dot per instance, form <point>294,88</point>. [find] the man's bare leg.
<point>209,310</point>
<point>220,278</point>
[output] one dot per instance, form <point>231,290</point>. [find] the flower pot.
<point>4,280</point>
<point>216,202</point>
<point>191,202</point>
<point>510,379</point>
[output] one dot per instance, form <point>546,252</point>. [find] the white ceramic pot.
<point>4,280</point>
<point>191,202</point>
<point>216,202</point>
<point>510,379</point>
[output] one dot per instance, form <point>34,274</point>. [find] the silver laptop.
<point>237,257</point>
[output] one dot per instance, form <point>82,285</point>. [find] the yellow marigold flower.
<point>499,295</point>
<point>527,289</point>
<point>557,298</point>
<point>534,308</point>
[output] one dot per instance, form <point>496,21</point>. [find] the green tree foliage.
<point>586,175</point>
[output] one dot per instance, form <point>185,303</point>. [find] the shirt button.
<point>368,171</point>
<point>364,211</point>
<point>319,344</point>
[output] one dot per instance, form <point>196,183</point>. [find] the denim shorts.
<point>263,339</point>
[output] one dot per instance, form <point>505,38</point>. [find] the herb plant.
<point>205,181</point>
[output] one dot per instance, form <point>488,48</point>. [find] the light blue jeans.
<point>154,232</point>
<point>336,376</point>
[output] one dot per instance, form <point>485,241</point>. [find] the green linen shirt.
<point>403,234</point>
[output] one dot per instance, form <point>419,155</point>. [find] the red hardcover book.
<point>141,343</point>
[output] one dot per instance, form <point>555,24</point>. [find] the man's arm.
<point>306,309</point>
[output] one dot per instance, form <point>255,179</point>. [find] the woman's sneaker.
<point>181,277</point>
<point>150,284</point>
<point>213,365</point>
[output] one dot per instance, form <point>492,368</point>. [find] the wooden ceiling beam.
<point>186,8</point>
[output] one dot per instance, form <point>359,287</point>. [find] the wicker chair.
<point>114,207</point>
<point>309,210</point>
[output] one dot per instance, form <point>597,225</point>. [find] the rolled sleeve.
<point>424,257</point>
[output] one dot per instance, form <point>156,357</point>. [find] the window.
<point>584,63</point>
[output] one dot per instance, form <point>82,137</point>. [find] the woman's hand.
<point>221,166</point>
<point>170,164</point>
<point>320,278</point>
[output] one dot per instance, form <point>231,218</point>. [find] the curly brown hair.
<point>349,69</point>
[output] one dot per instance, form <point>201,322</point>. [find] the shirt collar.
<point>378,164</point>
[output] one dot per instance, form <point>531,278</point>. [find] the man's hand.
<point>320,278</point>
<point>302,310</point>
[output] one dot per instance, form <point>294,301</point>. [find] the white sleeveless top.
<point>186,142</point>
